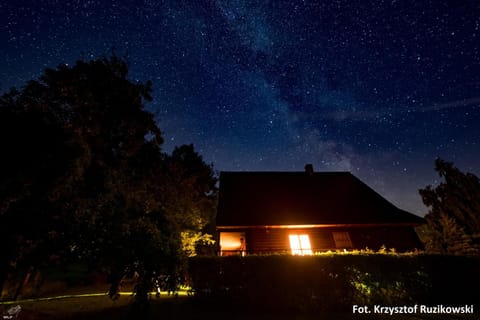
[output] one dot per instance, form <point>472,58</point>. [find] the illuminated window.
<point>300,244</point>
<point>232,243</point>
<point>342,240</point>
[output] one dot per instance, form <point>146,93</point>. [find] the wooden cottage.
<point>307,212</point>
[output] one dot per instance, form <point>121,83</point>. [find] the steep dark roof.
<point>295,198</point>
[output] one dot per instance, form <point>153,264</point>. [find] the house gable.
<point>298,198</point>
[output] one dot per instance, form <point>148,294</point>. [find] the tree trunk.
<point>22,284</point>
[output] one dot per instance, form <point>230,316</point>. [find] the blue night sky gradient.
<point>378,88</point>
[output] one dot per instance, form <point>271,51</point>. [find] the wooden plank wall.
<point>276,240</point>
<point>273,240</point>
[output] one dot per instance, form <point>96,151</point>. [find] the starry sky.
<point>378,88</point>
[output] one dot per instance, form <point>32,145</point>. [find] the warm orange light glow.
<point>233,241</point>
<point>300,244</point>
<point>295,244</point>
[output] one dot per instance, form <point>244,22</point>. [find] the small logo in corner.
<point>12,312</point>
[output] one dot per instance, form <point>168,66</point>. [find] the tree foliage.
<point>453,220</point>
<point>84,177</point>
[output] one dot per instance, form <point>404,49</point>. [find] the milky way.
<point>377,88</point>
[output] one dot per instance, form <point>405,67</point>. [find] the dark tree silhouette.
<point>36,153</point>
<point>84,178</point>
<point>453,220</point>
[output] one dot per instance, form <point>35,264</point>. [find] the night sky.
<point>378,88</point>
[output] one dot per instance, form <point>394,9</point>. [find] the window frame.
<point>342,240</point>
<point>300,244</point>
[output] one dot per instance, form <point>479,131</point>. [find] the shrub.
<point>334,282</point>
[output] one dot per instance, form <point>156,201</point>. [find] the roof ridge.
<point>289,172</point>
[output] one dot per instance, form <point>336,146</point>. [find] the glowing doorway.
<point>232,243</point>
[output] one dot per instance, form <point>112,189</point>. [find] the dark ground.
<point>178,308</point>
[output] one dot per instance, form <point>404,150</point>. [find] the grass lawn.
<point>182,307</point>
